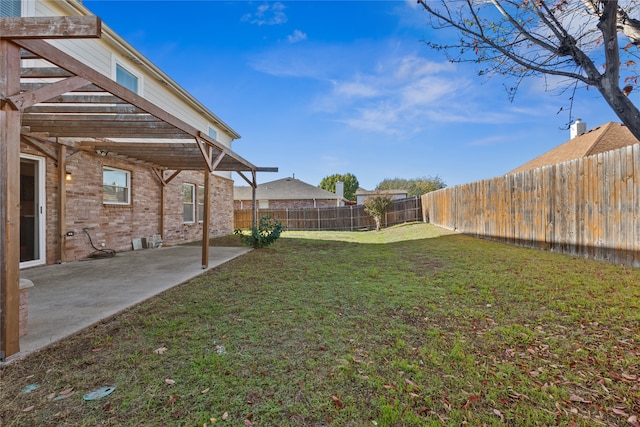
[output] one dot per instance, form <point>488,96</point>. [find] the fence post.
<point>351,216</point>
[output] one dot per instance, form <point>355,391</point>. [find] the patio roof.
<point>69,100</point>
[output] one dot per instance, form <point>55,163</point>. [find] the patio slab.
<point>69,297</point>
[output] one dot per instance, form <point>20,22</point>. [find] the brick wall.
<point>116,225</point>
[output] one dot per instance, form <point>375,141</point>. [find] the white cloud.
<point>296,37</point>
<point>267,14</point>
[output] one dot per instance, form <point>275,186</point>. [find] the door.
<point>32,197</point>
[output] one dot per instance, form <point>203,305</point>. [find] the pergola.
<point>78,108</point>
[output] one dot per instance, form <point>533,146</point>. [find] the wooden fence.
<point>587,207</point>
<point>344,218</point>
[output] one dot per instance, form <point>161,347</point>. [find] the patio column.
<point>206,219</point>
<point>62,201</point>
<point>9,201</point>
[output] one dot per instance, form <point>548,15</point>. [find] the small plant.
<point>267,232</point>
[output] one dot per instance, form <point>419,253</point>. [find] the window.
<point>126,78</point>
<point>10,8</point>
<point>263,204</point>
<point>213,134</point>
<point>188,200</point>
<point>200,203</point>
<point>116,186</point>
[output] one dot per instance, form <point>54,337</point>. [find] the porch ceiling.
<point>67,100</point>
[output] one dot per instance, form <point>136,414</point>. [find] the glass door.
<point>32,235</point>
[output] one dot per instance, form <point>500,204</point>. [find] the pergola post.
<point>9,201</point>
<point>62,201</point>
<point>206,219</point>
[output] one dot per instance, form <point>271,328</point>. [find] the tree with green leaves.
<point>415,186</point>
<point>581,43</point>
<point>350,182</point>
<point>377,206</point>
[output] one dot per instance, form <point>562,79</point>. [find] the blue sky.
<point>323,87</point>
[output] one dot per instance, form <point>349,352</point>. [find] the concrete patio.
<point>69,297</point>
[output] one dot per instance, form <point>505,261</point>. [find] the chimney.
<point>340,189</point>
<point>578,128</point>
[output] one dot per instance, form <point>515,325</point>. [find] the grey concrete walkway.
<point>71,296</point>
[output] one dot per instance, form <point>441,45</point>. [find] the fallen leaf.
<point>206,390</point>
<point>414,396</point>
<point>225,416</point>
<point>213,420</point>
<point>576,398</point>
<point>248,423</point>
<point>28,408</point>
<point>169,381</point>
<point>633,420</point>
<point>498,413</point>
<point>160,350</point>
<point>630,377</point>
<point>619,412</point>
<point>172,399</point>
<point>336,400</point>
<point>65,394</point>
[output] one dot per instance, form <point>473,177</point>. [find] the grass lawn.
<point>410,326</point>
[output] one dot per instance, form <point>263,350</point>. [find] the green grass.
<point>411,326</point>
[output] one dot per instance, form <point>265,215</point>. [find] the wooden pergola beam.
<point>59,27</point>
<point>27,99</point>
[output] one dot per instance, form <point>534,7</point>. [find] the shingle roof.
<point>609,136</point>
<point>283,189</point>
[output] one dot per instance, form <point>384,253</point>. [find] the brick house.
<point>98,148</point>
<point>286,193</point>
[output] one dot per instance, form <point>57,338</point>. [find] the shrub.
<point>267,232</point>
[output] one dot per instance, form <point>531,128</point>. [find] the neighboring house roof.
<point>283,189</point>
<point>363,192</point>
<point>609,136</point>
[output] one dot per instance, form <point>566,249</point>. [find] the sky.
<point>318,88</point>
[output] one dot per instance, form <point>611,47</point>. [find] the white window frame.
<point>186,203</point>
<point>212,133</point>
<point>127,175</point>
<point>27,8</point>
<point>263,204</point>
<point>129,69</point>
<point>200,203</point>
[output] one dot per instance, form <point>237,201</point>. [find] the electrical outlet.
<point>70,233</point>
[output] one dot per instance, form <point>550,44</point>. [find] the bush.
<point>268,231</point>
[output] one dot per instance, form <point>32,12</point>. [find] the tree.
<point>351,184</point>
<point>414,187</point>
<point>377,206</point>
<point>576,40</point>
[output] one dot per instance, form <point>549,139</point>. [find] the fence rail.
<point>344,218</point>
<point>587,207</point>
